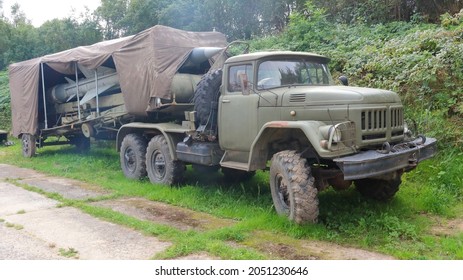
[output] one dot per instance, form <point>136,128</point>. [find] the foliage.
<point>21,41</point>
<point>5,115</point>
<point>111,14</point>
<point>383,11</point>
<point>61,34</point>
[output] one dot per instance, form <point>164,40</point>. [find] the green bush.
<point>5,110</point>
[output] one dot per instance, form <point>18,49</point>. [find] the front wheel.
<point>28,145</point>
<point>160,166</point>
<point>292,185</point>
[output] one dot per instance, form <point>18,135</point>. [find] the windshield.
<point>292,71</point>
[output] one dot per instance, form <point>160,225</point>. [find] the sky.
<point>39,11</point>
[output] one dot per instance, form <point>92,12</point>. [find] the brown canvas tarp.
<point>145,63</point>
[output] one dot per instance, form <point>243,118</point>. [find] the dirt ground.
<point>33,226</point>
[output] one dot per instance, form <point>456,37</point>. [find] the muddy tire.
<point>28,145</point>
<point>236,176</point>
<point>132,155</point>
<point>293,188</point>
<point>376,189</point>
<point>206,100</point>
<point>160,167</point>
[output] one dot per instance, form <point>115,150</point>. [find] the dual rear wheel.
<point>152,159</point>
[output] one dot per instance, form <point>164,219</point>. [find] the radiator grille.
<point>375,123</point>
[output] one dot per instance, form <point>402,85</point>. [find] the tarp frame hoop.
<point>77,88</point>
<point>97,93</point>
<point>44,97</point>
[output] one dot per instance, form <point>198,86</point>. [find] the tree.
<point>432,9</point>
<point>5,34</point>
<point>185,14</point>
<point>62,34</point>
<point>382,11</point>
<point>19,17</point>
<point>111,14</point>
<point>141,15</point>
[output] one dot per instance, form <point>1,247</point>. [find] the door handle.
<point>225,101</point>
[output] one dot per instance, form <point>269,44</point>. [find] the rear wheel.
<point>28,145</point>
<point>161,168</point>
<point>132,155</point>
<point>381,190</point>
<point>292,185</point>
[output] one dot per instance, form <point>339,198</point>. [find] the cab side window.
<point>235,74</point>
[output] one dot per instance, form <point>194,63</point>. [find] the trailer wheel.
<point>28,145</point>
<point>205,99</point>
<point>381,190</point>
<point>292,185</point>
<point>132,155</point>
<point>161,168</point>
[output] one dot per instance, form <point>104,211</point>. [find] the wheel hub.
<point>159,164</point>
<point>283,193</point>
<point>130,160</point>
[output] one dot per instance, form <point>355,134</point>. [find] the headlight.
<point>335,134</point>
<point>331,133</point>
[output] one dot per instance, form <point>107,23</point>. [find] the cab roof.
<point>268,54</point>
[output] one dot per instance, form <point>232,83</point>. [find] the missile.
<point>63,93</point>
<point>198,56</point>
<point>108,79</point>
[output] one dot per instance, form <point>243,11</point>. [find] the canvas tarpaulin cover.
<point>145,64</point>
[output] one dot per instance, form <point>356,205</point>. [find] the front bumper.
<point>404,156</point>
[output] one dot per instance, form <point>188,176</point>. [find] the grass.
<point>69,253</point>
<point>401,227</point>
<point>15,226</point>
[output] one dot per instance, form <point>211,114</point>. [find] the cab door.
<point>238,111</point>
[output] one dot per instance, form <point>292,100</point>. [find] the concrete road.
<point>33,226</point>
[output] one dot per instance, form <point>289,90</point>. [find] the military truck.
<point>276,111</point>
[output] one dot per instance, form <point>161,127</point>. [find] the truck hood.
<point>332,95</point>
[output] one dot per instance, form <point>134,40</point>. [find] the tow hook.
<point>385,149</point>
<point>413,160</point>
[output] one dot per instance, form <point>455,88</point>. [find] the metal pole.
<point>77,88</point>
<point>97,100</point>
<point>44,98</point>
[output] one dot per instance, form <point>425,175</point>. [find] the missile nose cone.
<point>199,55</point>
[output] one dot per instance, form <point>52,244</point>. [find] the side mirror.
<point>244,84</point>
<point>344,80</point>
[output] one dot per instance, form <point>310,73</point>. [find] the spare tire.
<point>206,101</point>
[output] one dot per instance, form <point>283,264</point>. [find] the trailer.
<point>91,91</point>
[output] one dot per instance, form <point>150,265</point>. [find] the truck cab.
<point>284,108</point>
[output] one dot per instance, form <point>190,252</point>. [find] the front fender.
<point>273,131</point>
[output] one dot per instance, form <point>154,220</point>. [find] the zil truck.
<point>171,98</point>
